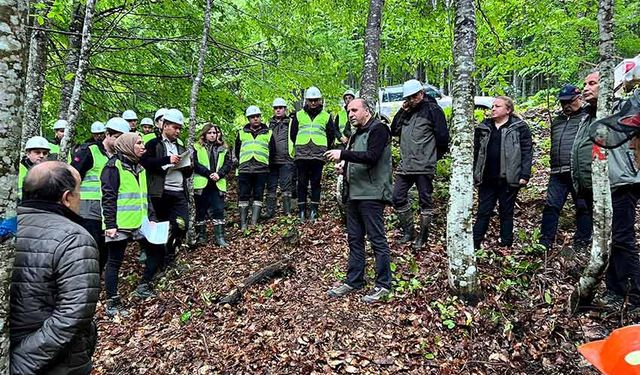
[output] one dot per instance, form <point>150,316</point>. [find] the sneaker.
<point>144,291</point>
<point>377,294</point>
<point>341,290</point>
<point>114,307</point>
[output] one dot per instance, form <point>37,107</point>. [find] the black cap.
<point>568,92</point>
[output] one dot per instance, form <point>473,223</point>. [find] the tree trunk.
<point>81,71</point>
<point>13,53</point>
<point>71,62</point>
<point>37,65</point>
<point>369,82</point>
<point>602,210</point>
<point>195,89</point>
<point>460,252</point>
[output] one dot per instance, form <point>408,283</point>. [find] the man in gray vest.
<point>281,166</point>
<point>366,164</point>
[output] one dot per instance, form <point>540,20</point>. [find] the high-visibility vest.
<point>90,186</point>
<point>54,148</point>
<point>343,121</point>
<point>312,130</point>
<point>132,198</point>
<point>147,137</point>
<point>202,155</point>
<point>22,173</point>
<point>254,148</point>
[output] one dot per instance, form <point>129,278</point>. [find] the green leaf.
<point>449,323</point>
<point>69,76</point>
<point>40,20</point>
<point>547,297</point>
<point>185,316</point>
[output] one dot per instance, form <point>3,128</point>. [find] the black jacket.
<point>83,159</point>
<point>154,159</point>
<point>563,132</point>
<point>54,290</point>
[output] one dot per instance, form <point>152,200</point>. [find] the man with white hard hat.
<point>167,184</point>
<point>132,119</point>
<point>313,134</point>
<point>59,128</point>
<point>281,168</point>
<point>157,120</point>
<point>97,131</point>
<point>254,149</point>
<point>36,150</point>
<point>424,138</point>
<point>89,160</point>
<point>147,126</point>
<point>341,120</point>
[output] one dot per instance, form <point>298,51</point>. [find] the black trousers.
<point>279,174</point>
<point>116,249</point>
<point>173,206</point>
<point>94,227</point>
<point>367,218</point>
<point>309,173</point>
<point>623,273</point>
<point>404,182</point>
<point>251,186</point>
<point>490,193</point>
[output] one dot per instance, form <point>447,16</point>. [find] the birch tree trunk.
<point>81,71</point>
<point>195,89</point>
<point>71,61</point>
<point>602,210</point>
<point>13,51</point>
<point>460,252</point>
<point>369,82</point>
<point>37,65</point>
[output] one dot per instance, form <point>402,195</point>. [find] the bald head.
<point>359,112</point>
<point>53,181</point>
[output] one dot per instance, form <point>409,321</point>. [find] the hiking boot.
<point>144,291</point>
<point>271,206</point>
<point>244,213</point>
<point>426,217</point>
<point>313,211</point>
<point>378,293</point>
<point>405,218</point>
<point>114,307</point>
<point>255,212</point>
<point>201,231</point>
<point>302,207</point>
<point>219,234</point>
<point>286,205</point>
<point>341,290</point>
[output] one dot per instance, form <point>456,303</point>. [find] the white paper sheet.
<point>155,233</point>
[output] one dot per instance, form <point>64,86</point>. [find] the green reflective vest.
<point>22,173</point>
<point>312,130</point>
<point>90,186</point>
<point>147,137</point>
<point>202,155</point>
<point>132,198</point>
<point>55,149</point>
<point>254,148</point>
<point>343,121</point>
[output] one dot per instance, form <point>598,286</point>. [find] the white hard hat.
<point>349,92</point>
<point>175,116</point>
<point>279,102</point>
<point>312,93</point>
<point>60,124</point>
<point>118,124</point>
<point>146,121</point>
<point>160,113</point>
<point>97,127</point>
<point>252,110</point>
<point>129,115</point>
<point>37,142</point>
<point>411,87</point>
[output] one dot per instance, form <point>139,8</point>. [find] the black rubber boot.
<point>219,234</point>
<point>271,206</point>
<point>255,212</point>
<point>302,207</point>
<point>244,212</point>
<point>426,216</point>
<point>201,231</point>
<point>405,218</point>
<point>286,204</point>
<point>313,211</point>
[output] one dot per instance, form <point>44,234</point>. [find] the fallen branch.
<point>272,270</point>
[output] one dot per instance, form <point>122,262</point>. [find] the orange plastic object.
<point>618,354</point>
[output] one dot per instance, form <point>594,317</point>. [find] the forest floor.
<point>289,325</point>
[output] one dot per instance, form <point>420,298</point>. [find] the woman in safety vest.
<point>209,183</point>
<point>124,207</point>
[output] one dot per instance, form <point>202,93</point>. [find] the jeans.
<point>279,174</point>
<point>172,206</point>
<point>251,186</point>
<point>94,227</point>
<point>367,217</point>
<point>403,183</point>
<point>623,272</point>
<point>116,249</point>
<point>309,172</point>
<point>211,202</point>
<point>489,193</point>
<point>559,188</point>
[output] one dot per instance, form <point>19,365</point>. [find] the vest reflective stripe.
<point>90,186</point>
<point>312,130</point>
<point>132,198</point>
<point>254,148</point>
<point>343,120</point>
<point>200,182</point>
<point>22,173</point>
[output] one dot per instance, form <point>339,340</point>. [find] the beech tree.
<point>13,46</point>
<point>460,251</point>
<point>369,83</point>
